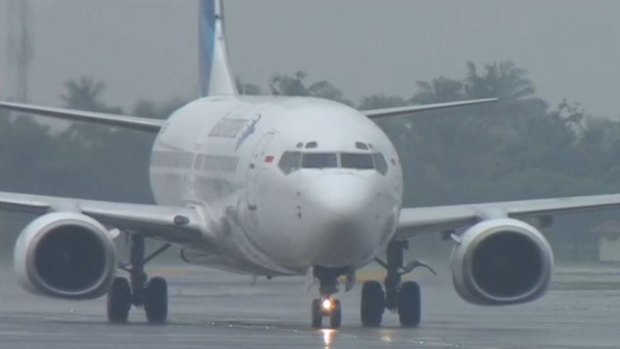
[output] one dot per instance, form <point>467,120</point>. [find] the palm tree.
<point>85,94</point>
<point>296,85</point>
<point>248,88</point>
<point>503,80</point>
<point>289,85</point>
<point>438,90</point>
<point>379,101</point>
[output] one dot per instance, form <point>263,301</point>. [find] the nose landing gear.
<point>401,297</point>
<point>327,305</point>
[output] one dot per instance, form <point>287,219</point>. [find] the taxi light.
<point>327,304</point>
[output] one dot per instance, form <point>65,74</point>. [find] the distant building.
<point>608,235</point>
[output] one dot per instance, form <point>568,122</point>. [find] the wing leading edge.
<point>172,224</point>
<point>381,113</point>
<point>154,125</point>
<point>415,221</point>
<point>131,122</point>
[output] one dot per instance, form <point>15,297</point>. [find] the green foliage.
<point>439,90</point>
<point>514,149</point>
<point>85,94</point>
<point>380,101</point>
<point>150,109</point>
<point>248,89</point>
<point>296,85</point>
<point>518,148</point>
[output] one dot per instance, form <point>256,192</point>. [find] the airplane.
<point>277,186</point>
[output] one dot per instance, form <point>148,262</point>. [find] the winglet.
<point>381,113</point>
<point>215,74</point>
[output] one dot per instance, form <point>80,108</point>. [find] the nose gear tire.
<point>335,317</point>
<point>317,314</point>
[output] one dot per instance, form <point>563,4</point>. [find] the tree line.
<point>518,148</point>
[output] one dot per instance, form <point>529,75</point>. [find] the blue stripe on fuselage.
<point>207,43</point>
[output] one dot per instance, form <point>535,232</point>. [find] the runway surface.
<point>210,309</point>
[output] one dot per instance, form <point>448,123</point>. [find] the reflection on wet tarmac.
<point>220,310</point>
<point>328,337</point>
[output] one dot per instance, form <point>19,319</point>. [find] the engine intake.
<point>502,261</point>
<point>66,255</point>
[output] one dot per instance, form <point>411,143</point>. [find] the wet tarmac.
<point>211,309</point>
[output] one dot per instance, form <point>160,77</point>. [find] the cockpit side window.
<point>357,161</point>
<point>320,160</point>
<point>290,161</point>
<point>380,164</point>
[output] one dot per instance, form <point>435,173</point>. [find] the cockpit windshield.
<point>357,161</point>
<point>319,160</point>
<point>292,161</point>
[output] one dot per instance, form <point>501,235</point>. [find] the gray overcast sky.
<point>148,48</point>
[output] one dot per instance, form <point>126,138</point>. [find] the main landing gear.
<point>327,305</point>
<point>401,297</point>
<point>139,291</point>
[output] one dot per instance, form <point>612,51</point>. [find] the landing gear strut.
<point>401,297</point>
<point>327,305</point>
<point>139,291</point>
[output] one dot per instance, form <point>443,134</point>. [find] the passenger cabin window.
<point>290,161</point>
<point>357,161</point>
<point>312,145</point>
<point>320,160</point>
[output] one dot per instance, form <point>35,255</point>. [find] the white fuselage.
<point>287,179</point>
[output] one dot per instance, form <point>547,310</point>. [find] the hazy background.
<point>148,48</point>
<point>137,56</point>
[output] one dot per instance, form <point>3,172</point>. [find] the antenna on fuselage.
<point>215,73</point>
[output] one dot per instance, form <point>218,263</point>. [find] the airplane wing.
<point>172,224</point>
<point>381,113</point>
<point>131,122</point>
<point>414,221</point>
<point>154,125</point>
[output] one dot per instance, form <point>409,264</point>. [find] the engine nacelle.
<point>502,261</point>
<point>66,255</point>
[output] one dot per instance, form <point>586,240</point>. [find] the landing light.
<point>327,304</point>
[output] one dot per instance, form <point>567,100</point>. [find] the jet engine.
<point>66,255</point>
<point>501,261</point>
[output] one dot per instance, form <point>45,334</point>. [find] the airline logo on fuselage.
<point>233,128</point>
<point>228,128</point>
<point>248,132</point>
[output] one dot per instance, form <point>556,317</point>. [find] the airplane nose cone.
<point>341,216</point>
<point>341,198</point>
